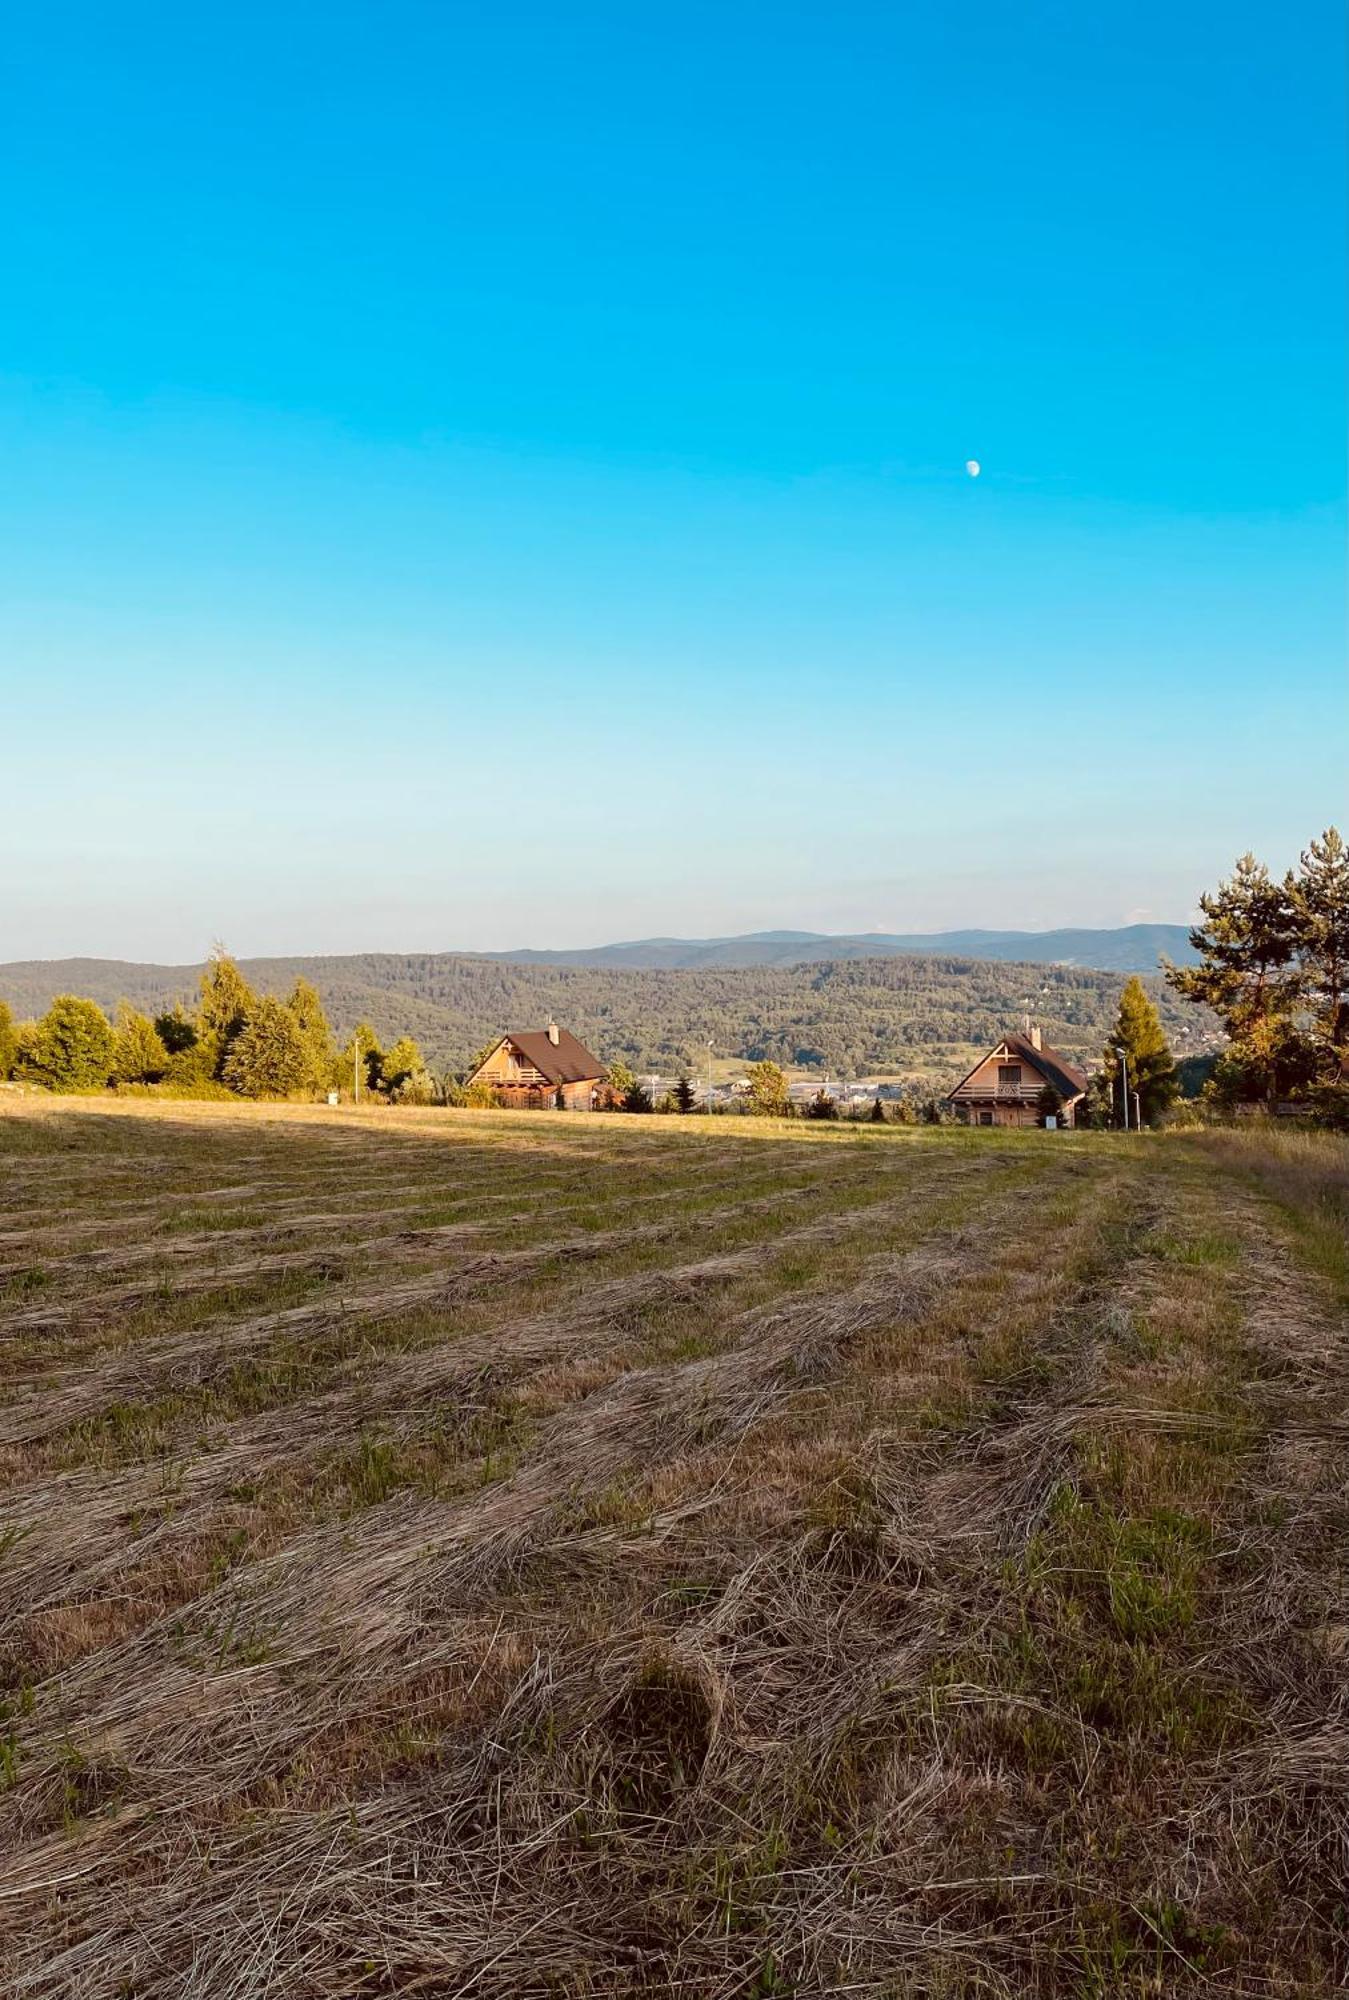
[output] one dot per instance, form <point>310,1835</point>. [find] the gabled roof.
<point>563,1061</point>
<point>1060,1070</point>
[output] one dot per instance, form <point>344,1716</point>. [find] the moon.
<point>973,467</point>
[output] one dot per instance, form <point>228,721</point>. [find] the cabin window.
<point>1009,1076</point>
<point>985,1117</point>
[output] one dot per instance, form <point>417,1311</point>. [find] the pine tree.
<point>268,1056</point>
<point>877,1111</point>
<point>70,1048</point>
<point>1152,1072</point>
<point>9,1043</point>
<point>683,1096</point>
<point>1248,974</point>
<point>138,1053</point>
<point>1318,895</point>
<point>821,1105</point>
<point>315,1033</point>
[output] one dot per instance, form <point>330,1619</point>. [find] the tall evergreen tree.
<point>138,1053</point>
<point>70,1048</point>
<point>683,1095</point>
<point>268,1056</point>
<point>1248,974</point>
<point>9,1043</point>
<point>315,1033</point>
<point>227,1001</point>
<point>1318,896</point>
<point>1152,1070</point>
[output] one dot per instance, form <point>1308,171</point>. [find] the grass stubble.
<point>537,1556</point>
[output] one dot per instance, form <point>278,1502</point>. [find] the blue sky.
<point>477,477</point>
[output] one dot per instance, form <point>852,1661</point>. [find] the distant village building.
<point>1005,1087</point>
<point>540,1069</point>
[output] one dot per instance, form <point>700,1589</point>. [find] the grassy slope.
<point>523,1556</point>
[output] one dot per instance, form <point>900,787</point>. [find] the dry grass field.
<point>531,1556</point>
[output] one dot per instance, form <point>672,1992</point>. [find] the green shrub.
<point>71,1047</point>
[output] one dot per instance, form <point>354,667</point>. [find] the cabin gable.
<point>1005,1086</point>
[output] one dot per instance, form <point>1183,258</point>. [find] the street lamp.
<point>1124,1081</point>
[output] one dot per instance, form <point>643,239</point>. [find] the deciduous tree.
<point>400,1062</point>
<point>9,1042</point>
<point>768,1093</point>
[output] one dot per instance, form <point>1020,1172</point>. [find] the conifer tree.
<point>227,1001</point>
<point>70,1048</point>
<point>1247,973</point>
<point>175,1030</point>
<point>315,1033</point>
<point>138,1053</point>
<point>1152,1071</point>
<point>1318,896</point>
<point>683,1095</point>
<point>268,1056</point>
<point>9,1043</point>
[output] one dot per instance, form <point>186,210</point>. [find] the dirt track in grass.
<point>517,1555</point>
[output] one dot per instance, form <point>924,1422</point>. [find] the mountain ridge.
<point>1126,948</point>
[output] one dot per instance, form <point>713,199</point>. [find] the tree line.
<point>923,1016</point>
<point>1272,967</point>
<point>232,1043</point>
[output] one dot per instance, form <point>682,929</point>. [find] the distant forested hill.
<point>918,1015</point>
<point>1134,948</point>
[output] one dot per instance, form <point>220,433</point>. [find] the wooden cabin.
<point>529,1070</point>
<point>1005,1086</point>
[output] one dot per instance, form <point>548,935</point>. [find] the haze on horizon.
<point>483,482</point>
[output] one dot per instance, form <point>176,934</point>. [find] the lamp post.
<point>1124,1081</point>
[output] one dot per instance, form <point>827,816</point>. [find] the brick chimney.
<point>1035,1038</point>
<point>553,1034</point>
